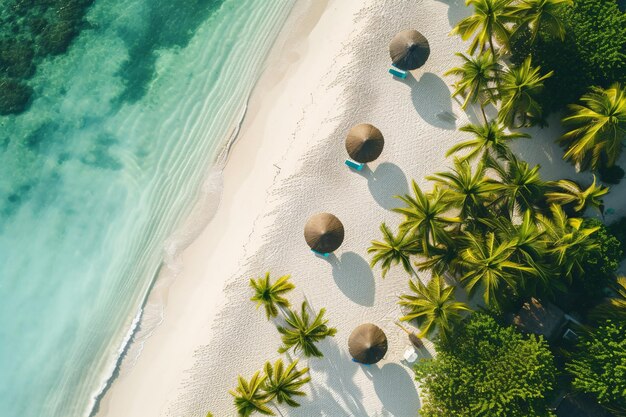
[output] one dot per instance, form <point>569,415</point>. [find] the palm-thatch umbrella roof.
<point>323,232</point>
<point>367,344</point>
<point>364,143</point>
<point>409,50</point>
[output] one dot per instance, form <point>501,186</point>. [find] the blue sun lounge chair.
<point>364,364</point>
<point>354,165</point>
<point>397,72</point>
<point>325,255</point>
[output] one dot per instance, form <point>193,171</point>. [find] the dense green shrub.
<point>598,367</point>
<point>618,229</point>
<point>487,370</point>
<point>593,52</point>
<point>599,267</point>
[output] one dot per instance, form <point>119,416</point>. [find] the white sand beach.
<point>327,72</point>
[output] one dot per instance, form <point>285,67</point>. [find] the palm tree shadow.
<point>386,182</point>
<point>321,402</point>
<point>431,98</point>
<point>340,372</point>
<point>396,390</point>
<point>457,10</point>
<point>355,278</point>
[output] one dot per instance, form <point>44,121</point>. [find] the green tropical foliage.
<point>489,262</point>
<point>542,14</point>
<point>487,24</point>
<point>518,90</point>
<point>598,265</point>
<point>593,51</point>
<point>599,365</point>
<point>570,193</point>
<point>528,248</point>
<point>465,190</point>
<point>618,229</point>
<point>269,295</point>
<point>301,334</point>
<point>425,216</point>
<point>433,307</point>
<point>519,187</point>
<point>476,80</point>
<point>284,383</point>
<point>442,258</point>
<point>250,397</point>
<point>489,139</point>
<point>598,128</point>
<point>487,370</point>
<point>568,240</point>
<point>393,250</point>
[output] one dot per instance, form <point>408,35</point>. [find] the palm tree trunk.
<point>414,273</point>
<point>482,110</point>
<point>491,47</point>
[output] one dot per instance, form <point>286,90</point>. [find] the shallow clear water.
<point>98,172</point>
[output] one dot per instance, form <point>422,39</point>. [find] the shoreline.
<point>166,275</point>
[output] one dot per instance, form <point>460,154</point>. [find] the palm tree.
<point>517,90</point>
<point>477,75</point>
<point>433,306</point>
<point>490,263</point>
<point>301,334</point>
<point>465,190</point>
<point>567,240</point>
<point>489,21</point>
<point>270,295</point>
<point>541,14</point>
<point>424,216</point>
<point>393,250</point>
<point>528,247</point>
<point>598,128</point>
<point>489,139</point>
<point>520,187</point>
<point>249,396</point>
<point>571,193</point>
<point>443,258</point>
<point>284,384</point>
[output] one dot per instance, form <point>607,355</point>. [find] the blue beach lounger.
<point>397,72</point>
<point>325,255</point>
<point>354,165</point>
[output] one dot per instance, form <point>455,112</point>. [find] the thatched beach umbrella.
<point>367,344</point>
<point>364,143</point>
<point>323,233</point>
<point>409,50</point>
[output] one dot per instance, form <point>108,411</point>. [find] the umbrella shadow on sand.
<point>386,182</point>
<point>338,392</point>
<point>355,278</point>
<point>396,390</point>
<point>431,98</point>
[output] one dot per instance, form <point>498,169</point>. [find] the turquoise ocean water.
<point>98,173</point>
